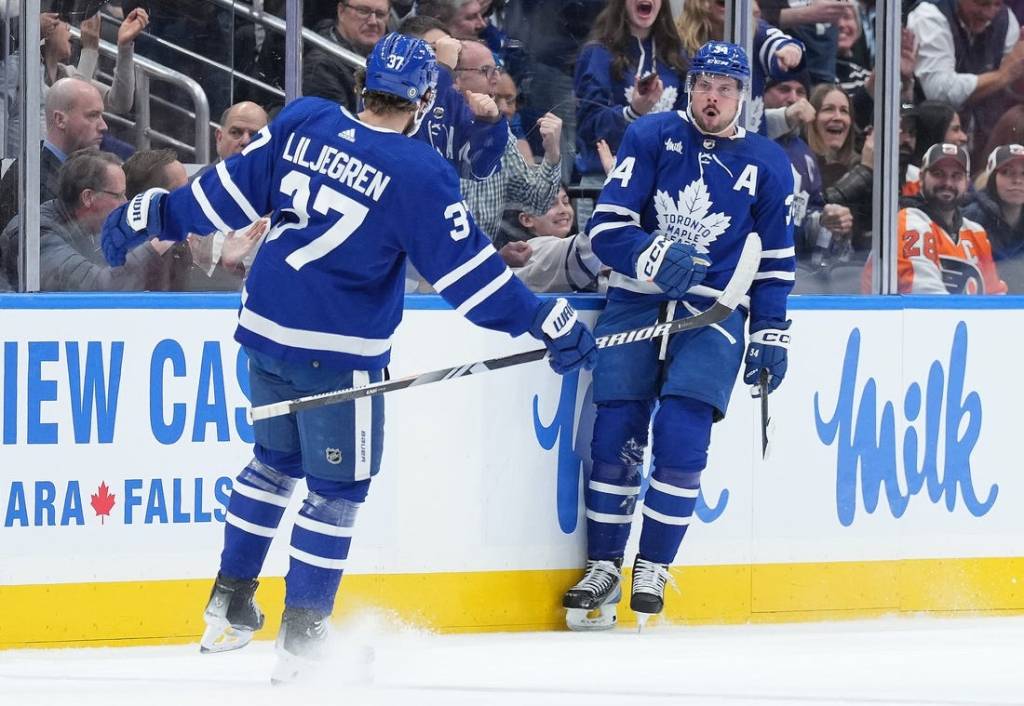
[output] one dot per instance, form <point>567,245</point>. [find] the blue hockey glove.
<point>570,343</point>
<point>769,344</point>
<point>132,224</point>
<point>673,266</point>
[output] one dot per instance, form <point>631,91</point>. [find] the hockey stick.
<point>724,305</point>
<point>765,419</point>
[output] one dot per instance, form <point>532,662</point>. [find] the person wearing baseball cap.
<point>943,252</point>
<point>998,209</point>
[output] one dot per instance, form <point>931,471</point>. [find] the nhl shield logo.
<point>334,456</point>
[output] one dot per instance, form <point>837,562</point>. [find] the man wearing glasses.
<point>92,184</point>
<point>358,26</point>
<point>529,186</point>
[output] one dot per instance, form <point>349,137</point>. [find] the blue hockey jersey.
<point>672,180</point>
<point>474,147</point>
<point>348,203</point>
<point>600,99</point>
<point>767,41</point>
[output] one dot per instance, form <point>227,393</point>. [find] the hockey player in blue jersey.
<point>686,191</point>
<point>350,200</point>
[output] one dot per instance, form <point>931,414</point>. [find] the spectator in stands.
<point>831,138</point>
<point>934,122</point>
<point>507,100</point>
<point>74,121</point>
<point>238,125</point>
<point>778,55</point>
<point>858,80</point>
<point>56,51</point>
<point>357,27</point>
<point>496,39</point>
<point>1008,131</point>
<point>814,23</point>
<point>631,40</point>
<point>815,222</point>
<point>854,188</point>
<point>943,252</point>
<point>160,169</point>
<point>968,54</point>
<point>532,187</point>
<point>462,19</point>
<point>221,260</point>
<point>92,184</point>
<point>545,251</point>
<point>831,135</point>
<point>550,35</point>
<point>997,209</point>
<point>466,129</point>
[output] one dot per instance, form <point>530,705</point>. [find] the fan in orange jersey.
<point>941,251</point>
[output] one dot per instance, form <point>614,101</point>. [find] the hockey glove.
<point>131,225</point>
<point>767,350</point>
<point>673,266</point>
<point>570,343</point>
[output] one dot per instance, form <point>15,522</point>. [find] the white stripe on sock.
<point>308,523</point>
<point>262,496</point>
<point>314,560</point>
<point>665,519</point>
<point>608,518</point>
<point>246,526</point>
<point>673,489</point>
<point>614,489</point>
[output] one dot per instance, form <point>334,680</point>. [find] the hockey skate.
<point>301,643</point>
<point>591,603</point>
<point>231,616</point>
<point>648,596</point>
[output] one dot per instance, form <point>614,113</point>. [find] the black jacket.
<point>326,75</point>
<point>1007,241</point>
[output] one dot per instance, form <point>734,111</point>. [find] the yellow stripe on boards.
<point>170,612</point>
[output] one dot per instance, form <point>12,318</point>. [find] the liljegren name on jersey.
<point>332,162</point>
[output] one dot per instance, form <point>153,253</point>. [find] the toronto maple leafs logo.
<point>665,103</point>
<point>688,221</point>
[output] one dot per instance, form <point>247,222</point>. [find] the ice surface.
<point>905,661</point>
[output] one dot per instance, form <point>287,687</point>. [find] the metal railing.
<point>145,70</point>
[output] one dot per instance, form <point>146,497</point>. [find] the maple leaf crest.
<point>102,502</point>
<point>688,221</point>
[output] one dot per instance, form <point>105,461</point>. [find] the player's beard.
<point>718,123</point>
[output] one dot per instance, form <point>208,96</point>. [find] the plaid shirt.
<point>516,185</point>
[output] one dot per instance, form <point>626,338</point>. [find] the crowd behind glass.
<point>548,88</point>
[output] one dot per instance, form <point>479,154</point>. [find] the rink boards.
<point>894,482</point>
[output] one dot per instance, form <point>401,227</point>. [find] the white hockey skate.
<point>301,645</point>
<point>591,603</point>
<point>231,615</point>
<point>648,595</point>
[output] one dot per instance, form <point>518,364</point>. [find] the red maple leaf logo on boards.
<point>102,502</point>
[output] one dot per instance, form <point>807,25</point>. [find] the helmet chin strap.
<point>421,112</point>
<point>724,130</point>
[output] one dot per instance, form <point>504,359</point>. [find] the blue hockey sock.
<point>259,497</point>
<point>682,432</point>
<point>320,543</point>
<point>668,508</point>
<point>611,497</point>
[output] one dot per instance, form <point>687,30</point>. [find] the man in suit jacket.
<point>74,121</point>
